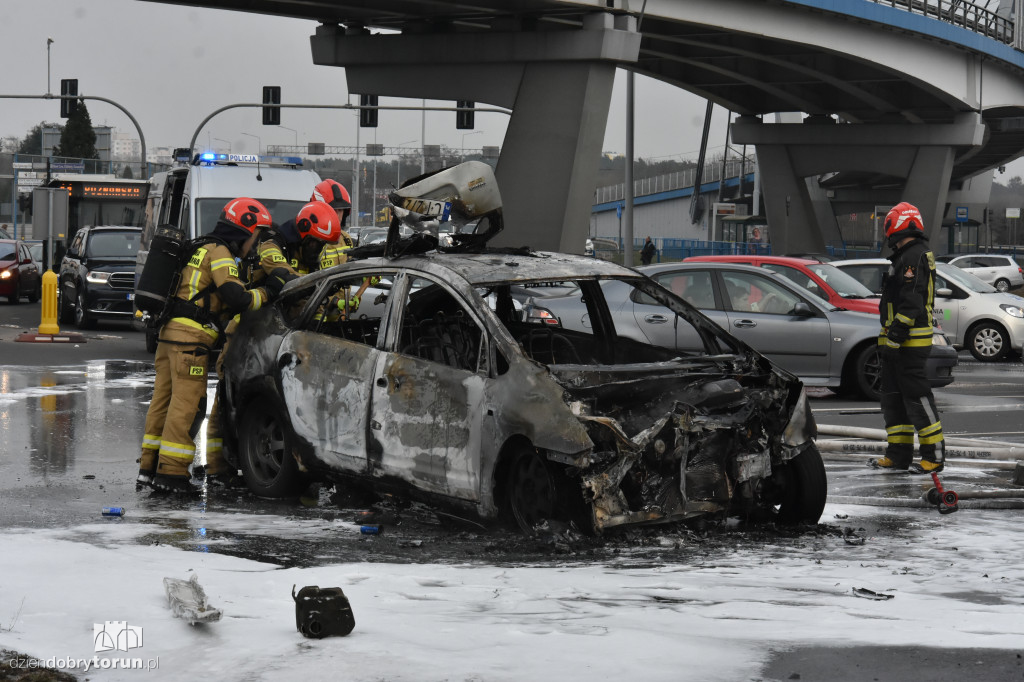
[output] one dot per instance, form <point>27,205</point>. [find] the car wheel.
<point>532,492</point>
<point>1002,284</point>
<point>265,451</point>
<point>799,488</point>
<point>82,318</point>
<point>36,294</point>
<point>65,314</point>
<point>988,342</point>
<point>867,373</point>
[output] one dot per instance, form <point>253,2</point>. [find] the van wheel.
<point>265,450</point>
<point>64,313</point>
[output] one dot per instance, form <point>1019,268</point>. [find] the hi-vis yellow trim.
<point>900,428</point>
<point>228,263</point>
<point>177,450</point>
<point>931,440</point>
<point>277,258</point>
<point>196,371</point>
<point>937,426</point>
<point>151,442</point>
<point>904,319</point>
<point>195,325</point>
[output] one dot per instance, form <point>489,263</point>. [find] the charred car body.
<point>442,389</point>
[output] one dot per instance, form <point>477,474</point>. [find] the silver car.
<point>973,314</point>
<point>821,344</point>
<point>1001,271</point>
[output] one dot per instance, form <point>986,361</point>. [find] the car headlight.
<point>1014,310</point>
<point>6,274</point>
<point>97,277</point>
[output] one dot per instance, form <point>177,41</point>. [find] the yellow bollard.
<point>48,323</point>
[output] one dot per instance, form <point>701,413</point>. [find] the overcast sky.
<point>172,66</point>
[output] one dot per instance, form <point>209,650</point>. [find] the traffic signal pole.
<point>138,128</point>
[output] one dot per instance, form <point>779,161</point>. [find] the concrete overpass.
<point>902,99</point>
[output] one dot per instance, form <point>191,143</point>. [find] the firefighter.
<point>334,194</point>
<point>905,311</point>
<point>210,293</point>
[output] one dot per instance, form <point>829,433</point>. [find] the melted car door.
<point>762,313</point>
<point>428,395</point>
<point>327,367</point>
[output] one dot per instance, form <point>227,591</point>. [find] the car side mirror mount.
<point>802,309</point>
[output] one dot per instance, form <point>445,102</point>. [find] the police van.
<point>191,196</point>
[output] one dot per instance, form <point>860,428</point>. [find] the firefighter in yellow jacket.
<point>210,292</point>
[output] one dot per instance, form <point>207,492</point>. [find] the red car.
<point>825,281</point>
<point>19,273</point>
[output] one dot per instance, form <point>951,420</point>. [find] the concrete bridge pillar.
<point>792,155</point>
<point>558,84</point>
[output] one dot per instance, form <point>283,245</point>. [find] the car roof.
<point>118,228</point>
<point>860,261</point>
<point>491,267</point>
<point>741,258</point>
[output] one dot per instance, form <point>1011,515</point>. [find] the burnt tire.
<point>265,450</point>
<point>801,488</point>
<point>866,373</point>
<point>537,491</point>
<point>988,342</point>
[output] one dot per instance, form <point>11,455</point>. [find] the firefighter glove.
<point>898,332</point>
<point>274,285</point>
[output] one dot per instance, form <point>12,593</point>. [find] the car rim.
<point>266,451</point>
<point>988,342</point>
<point>873,372</point>
<point>80,309</point>
<point>1001,285</point>
<point>532,491</point>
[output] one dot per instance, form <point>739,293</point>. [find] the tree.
<point>78,139</point>
<point>127,172</point>
<point>32,143</point>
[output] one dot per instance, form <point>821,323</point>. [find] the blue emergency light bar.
<point>215,158</point>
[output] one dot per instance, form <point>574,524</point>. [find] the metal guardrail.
<point>974,16</point>
<point>673,181</point>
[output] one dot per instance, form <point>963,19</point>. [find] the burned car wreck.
<point>443,387</point>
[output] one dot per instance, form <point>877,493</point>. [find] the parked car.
<point>820,279</point>
<point>975,315</point>
<point>19,272</point>
<point>97,275</point>
<point>35,249</point>
<point>1001,271</point>
<point>821,344</point>
<point>820,257</point>
<point>436,395</point>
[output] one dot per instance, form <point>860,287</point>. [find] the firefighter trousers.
<point>179,390</point>
<point>908,405</point>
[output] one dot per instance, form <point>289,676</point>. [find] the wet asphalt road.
<point>71,418</point>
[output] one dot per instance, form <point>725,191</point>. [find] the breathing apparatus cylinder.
<point>160,274</point>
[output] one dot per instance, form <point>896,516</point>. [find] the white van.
<point>192,196</point>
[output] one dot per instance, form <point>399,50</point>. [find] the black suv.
<point>97,275</point>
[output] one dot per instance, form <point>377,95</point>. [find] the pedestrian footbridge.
<point>894,99</point>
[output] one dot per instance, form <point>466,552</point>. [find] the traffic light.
<point>367,117</point>
<point>464,119</point>
<point>271,95</point>
<point>68,107</point>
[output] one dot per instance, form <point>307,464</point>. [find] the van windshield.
<point>208,211</point>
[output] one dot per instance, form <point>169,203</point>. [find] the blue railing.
<point>974,16</point>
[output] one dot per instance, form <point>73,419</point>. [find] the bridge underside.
<point>552,61</point>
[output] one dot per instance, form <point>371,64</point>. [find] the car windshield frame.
<point>843,283</point>
<point>110,238</point>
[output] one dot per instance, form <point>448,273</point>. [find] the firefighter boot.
<point>897,458</point>
<point>147,469</point>
<point>172,475</point>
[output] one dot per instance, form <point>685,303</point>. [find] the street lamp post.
<point>259,142</point>
<point>225,142</point>
<point>296,135</point>
<point>49,41</point>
